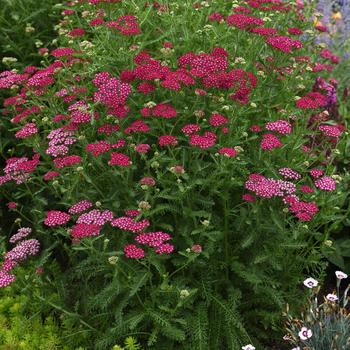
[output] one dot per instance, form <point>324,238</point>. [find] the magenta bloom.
<point>283,127</point>
<point>128,224</point>
<point>80,206</point>
<point>284,43</point>
<point>21,233</point>
<point>119,159</point>
<point>152,239</point>
<point>62,51</point>
<point>142,148</point>
<point>217,120</point>
<point>167,140</point>
<point>312,100</point>
<point>228,152</point>
<point>208,139</point>
<point>326,183</point>
<point>23,250</point>
<point>131,251</point>
<point>165,248</point>
<point>269,142</point>
<point>85,230</point>
<point>289,173</point>
<point>56,218</point>
<point>95,217</point>
<point>26,131</point>
<point>6,279</point>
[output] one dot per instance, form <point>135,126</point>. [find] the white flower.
<point>340,275</point>
<point>297,348</point>
<point>310,282</point>
<point>305,333</point>
<point>248,347</point>
<point>331,297</point>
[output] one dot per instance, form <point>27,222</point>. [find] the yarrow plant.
<point>171,158</point>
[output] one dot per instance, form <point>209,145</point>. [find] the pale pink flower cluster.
<point>283,127</point>
<point>96,217</point>
<point>326,183</point>
<point>60,139</point>
<point>21,233</point>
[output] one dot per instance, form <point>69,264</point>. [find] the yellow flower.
<point>337,15</point>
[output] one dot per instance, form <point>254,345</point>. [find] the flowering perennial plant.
<point>171,157</point>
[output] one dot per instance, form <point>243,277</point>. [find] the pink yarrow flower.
<point>326,183</point>
<point>56,218</point>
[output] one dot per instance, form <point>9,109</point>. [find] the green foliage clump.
<point>22,329</point>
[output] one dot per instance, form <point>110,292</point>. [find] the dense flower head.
<point>82,230</point>
<point>137,126</point>
<point>312,100</point>
<point>207,140</point>
<point>62,51</point>
<point>190,129</point>
<point>152,239</point>
<point>289,173</point>
<point>330,130</point>
<point>165,248</point>
<point>80,207</point>
<point>269,142</point>
<point>243,21</point>
<point>142,148</point>
<point>98,148</point>
<point>304,211</point>
<point>62,162</point>
<point>9,78</point>
<point>132,212</point>
<point>228,151</point>
<point>326,183</point>
<point>218,120</point>
<point>316,172</point>
<point>50,175</point>
<point>283,127</point>
<point>56,218</point>
<point>21,233</point>
<point>95,217</point>
<point>167,140</point>
<point>284,43</point>
<point>164,110</point>
<point>131,251</point>
<point>264,31</point>
<point>113,93</point>
<point>27,130</point>
<point>23,250</point>
<point>268,187</point>
<point>306,189</point>
<point>8,264</point>
<point>6,278</point>
<point>295,31</point>
<point>18,169</point>
<point>125,25</point>
<point>119,159</point>
<point>128,224</point>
